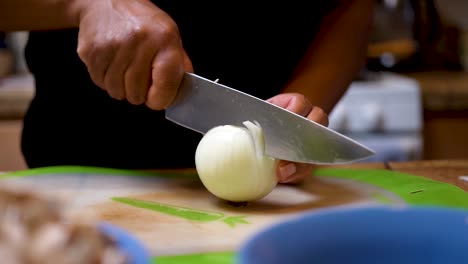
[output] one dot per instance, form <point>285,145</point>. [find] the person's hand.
<point>133,50</point>
<point>291,172</point>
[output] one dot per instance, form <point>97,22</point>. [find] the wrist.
<point>75,10</point>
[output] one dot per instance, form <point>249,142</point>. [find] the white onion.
<point>231,164</point>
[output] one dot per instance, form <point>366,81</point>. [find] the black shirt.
<point>247,45</point>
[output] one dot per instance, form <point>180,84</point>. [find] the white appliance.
<point>384,112</point>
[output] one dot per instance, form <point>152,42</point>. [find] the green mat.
<point>414,190</point>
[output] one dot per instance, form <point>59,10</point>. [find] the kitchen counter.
<point>16,93</point>
<point>449,171</point>
<point>443,90</point>
<point>445,101</point>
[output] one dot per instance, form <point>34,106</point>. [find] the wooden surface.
<point>182,217</point>
<point>16,92</point>
<point>444,96</point>
<point>448,171</point>
<point>168,231</point>
<point>11,158</point>
<point>443,90</point>
<point>445,134</point>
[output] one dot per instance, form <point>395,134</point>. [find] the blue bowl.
<point>369,235</point>
<point>132,247</point>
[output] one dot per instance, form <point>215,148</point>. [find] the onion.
<point>231,163</point>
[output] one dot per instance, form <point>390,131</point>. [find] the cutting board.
<point>173,214</point>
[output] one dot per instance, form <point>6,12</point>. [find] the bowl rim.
<point>127,242</point>
<point>242,256</point>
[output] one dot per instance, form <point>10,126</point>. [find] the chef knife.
<point>202,104</point>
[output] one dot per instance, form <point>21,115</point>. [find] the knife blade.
<point>202,104</point>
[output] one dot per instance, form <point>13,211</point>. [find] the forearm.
<point>336,56</point>
<point>40,14</point>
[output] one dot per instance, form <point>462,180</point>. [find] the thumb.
<point>187,63</point>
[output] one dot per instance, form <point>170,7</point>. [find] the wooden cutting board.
<point>174,214</point>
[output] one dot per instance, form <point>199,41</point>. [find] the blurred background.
<point>410,101</point>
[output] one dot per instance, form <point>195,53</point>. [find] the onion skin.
<point>231,164</point>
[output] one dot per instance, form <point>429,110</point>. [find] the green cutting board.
<point>180,222</point>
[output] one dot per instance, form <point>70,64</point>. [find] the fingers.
<point>114,80</point>
<point>131,71</point>
<point>318,115</point>
<point>169,66</point>
<point>299,104</point>
<point>156,85</point>
<point>187,63</point>
<point>293,102</point>
<point>290,172</point>
<point>168,71</point>
<point>154,79</point>
<point>138,76</point>
<point>97,58</point>
<point>134,52</point>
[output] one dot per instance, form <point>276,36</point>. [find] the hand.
<point>133,50</point>
<point>291,172</point>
